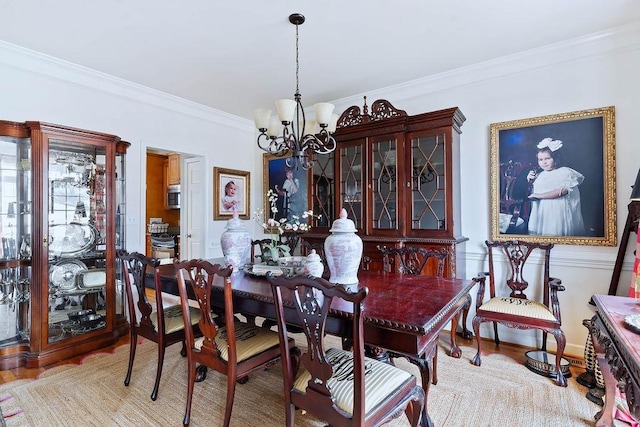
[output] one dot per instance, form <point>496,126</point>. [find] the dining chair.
<point>258,248</point>
<point>162,325</point>
<point>418,260</point>
<point>511,307</point>
<point>228,346</point>
<point>340,387</point>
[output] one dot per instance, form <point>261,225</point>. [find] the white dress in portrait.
<point>561,216</point>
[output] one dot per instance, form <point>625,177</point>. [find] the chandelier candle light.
<point>290,133</point>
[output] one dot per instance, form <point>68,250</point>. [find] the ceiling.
<point>239,55</point>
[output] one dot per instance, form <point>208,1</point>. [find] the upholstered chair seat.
<point>380,379</point>
<point>173,320</point>
<point>250,341</point>
<point>518,307</point>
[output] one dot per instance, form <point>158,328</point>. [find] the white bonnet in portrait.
<point>551,144</point>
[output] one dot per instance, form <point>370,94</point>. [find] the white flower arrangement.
<point>274,227</point>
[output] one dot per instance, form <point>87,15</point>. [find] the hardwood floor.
<point>24,373</point>
<point>488,346</point>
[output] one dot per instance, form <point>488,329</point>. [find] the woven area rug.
<point>501,392</point>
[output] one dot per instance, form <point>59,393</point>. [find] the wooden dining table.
<point>402,313</point>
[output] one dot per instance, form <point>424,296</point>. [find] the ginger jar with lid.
<point>236,243</point>
<point>343,250</point>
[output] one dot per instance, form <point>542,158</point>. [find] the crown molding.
<point>35,62</point>
<point>600,44</point>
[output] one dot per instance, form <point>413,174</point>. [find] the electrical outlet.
<point>132,220</point>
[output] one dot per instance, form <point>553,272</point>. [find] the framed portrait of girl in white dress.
<point>553,178</point>
<point>230,193</point>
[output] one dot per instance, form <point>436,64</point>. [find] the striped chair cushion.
<point>250,340</point>
<point>381,379</point>
<point>518,307</point>
<point>173,318</point>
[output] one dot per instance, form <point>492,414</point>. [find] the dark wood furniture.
<point>62,220</point>
<point>630,226</point>
<point>515,310</point>
<point>415,260</point>
<point>228,346</point>
<point>161,325</point>
<point>406,326</point>
<point>618,352</point>
<point>332,384</point>
<point>397,175</point>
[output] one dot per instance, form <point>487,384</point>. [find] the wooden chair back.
<point>517,253</point>
<point>326,368</point>
<point>258,248</point>
<point>414,260</point>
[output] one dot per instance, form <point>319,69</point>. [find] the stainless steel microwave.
<point>173,196</point>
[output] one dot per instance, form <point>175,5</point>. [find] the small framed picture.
<point>231,193</point>
<point>553,178</point>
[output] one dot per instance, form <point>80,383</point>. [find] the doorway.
<point>175,199</point>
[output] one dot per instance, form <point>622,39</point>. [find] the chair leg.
<point>476,330</point>
<point>495,333</point>
<point>133,342</point>
<point>560,343</point>
<point>191,380</point>
<point>161,349</point>
<point>231,391</point>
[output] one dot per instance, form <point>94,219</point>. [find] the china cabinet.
<point>397,175</point>
<point>61,221</point>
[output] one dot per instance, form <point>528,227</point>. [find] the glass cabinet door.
<point>351,173</point>
<point>15,236</point>
<point>76,197</point>
<point>323,190</point>
<point>385,179</point>
<point>428,195</point>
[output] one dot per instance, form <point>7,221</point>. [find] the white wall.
<point>590,72</point>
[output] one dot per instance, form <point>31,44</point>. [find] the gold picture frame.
<point>583,142</point>
<point>226,198</point>
<point>274,175</point>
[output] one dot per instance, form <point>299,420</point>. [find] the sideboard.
<point>618,351</point>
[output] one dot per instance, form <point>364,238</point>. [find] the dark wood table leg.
<point>604,418</point>
<point>424,364</point>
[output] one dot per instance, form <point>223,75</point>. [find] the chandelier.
<point>290,133</point>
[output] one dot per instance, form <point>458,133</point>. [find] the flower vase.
<point>236,243</point>
<point>272,256</point>
<point>343,251</point>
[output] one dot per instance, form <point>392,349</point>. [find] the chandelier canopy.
<point>290,133</point>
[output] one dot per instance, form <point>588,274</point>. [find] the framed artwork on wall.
<point>231,193</point>
<point>553,178</point>
<point>290,185</point>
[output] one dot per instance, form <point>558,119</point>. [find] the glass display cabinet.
<point>61,221</point>
<point>398,178</point>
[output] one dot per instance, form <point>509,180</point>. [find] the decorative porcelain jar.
<point>343,250</point>
<point>236,243</point>
<point>313,265</point>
